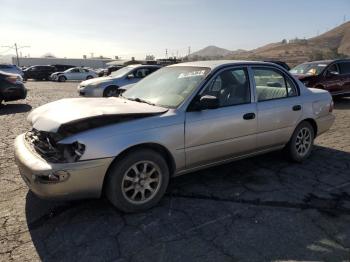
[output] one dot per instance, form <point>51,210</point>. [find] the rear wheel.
<point>62,79</point>
<point>137,181</point>
<point>89,77</point>
<point>111,91</point>
<point>300,146</point>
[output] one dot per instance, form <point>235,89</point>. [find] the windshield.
<point>167,87</point>
<point>308,69</point>
<point>121,72</point>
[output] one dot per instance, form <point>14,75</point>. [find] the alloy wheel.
<point>303,141</point>
<point>141,182</point>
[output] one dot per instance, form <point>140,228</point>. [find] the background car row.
<point>330,75</point>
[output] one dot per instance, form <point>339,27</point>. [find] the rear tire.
<point>111,91</point>
<point>89,77</point>
<point>137,181</point>
<point>300,145</point>
<point>61,79</point>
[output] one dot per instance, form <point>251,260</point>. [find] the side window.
<point>344,67</point>
<point>231,87</point>
<point>271,84</point>
<point>75,70</point>
<point>333,68</point>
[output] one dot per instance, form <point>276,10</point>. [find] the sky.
<point>73,28</point>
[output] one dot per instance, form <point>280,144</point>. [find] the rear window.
<point>344,67</point>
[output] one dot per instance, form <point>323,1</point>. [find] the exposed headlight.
<point>46,146</point>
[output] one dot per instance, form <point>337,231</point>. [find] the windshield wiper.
<point>140,100</point>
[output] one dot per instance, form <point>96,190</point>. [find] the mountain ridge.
<point>332,44</point>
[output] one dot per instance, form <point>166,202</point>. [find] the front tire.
<point>111,91</point>
<point>300,145</point>
<point>137,181</point>
<point>62,79</point>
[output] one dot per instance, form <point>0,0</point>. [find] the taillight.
<point>331,106</point>
<point>12,79</point>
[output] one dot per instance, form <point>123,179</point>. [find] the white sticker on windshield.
<point>321,65</point>
<point>192,74</point>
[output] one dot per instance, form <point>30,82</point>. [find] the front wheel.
<point>300,146</point>
<point>111,91</point>
<point>62,79</point>
<point>89,77</point>
<point>137,181</point>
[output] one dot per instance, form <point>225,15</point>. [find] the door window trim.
<point>216,74</point>
<point>285,75</point>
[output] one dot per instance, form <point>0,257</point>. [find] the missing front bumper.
<point>85,179</point>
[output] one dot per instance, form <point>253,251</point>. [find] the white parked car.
<point>75,73</point>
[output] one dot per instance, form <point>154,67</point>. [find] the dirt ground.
<point>258,209</point>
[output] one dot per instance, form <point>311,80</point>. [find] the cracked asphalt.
<point>258,209</point>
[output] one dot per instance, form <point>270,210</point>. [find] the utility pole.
<point>16,48</point>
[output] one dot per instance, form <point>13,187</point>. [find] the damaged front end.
<point>46,145</point>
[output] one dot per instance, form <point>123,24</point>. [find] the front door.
<point>345,75</point>
<point>278,105</point>
<point>228,131</point>
<point>332,81</point>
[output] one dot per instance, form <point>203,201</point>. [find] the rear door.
<point>213,135</point>
<point>278,105</point>
<point>344,68</point>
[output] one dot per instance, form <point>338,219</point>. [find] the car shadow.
<point>263,208</point>
<point>7,109</point>
<point>342,103</point>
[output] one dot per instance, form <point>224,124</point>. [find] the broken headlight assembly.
<point>46,145</point>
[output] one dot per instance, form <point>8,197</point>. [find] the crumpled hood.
<point>96,81</point>
<point>52,116</point>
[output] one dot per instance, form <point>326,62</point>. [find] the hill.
<point>329,45</point>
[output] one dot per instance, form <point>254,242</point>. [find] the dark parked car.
<point>11,87</point>
<point>11,69</point>
<point>331,75</point>
<point>280,63</point>
<point>113,68</point>
<point>39,72</point>
<point>61,68</point>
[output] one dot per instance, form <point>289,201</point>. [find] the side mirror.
<point>208,102</point>
<point>131,76</point>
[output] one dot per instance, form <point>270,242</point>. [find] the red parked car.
<point>331,75</point>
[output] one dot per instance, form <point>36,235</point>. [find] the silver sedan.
<point>111,85</point>
<point>182,118</point>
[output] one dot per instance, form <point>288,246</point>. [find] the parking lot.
<point>258,209</point>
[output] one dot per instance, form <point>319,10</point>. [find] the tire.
<point>300,145</point>
<point>61,79</point>
<point>89,77</point>
<point>111,91</point>
<point>124,186</point>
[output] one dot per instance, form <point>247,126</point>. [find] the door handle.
<point>297,108</point>
<point>248,116</point>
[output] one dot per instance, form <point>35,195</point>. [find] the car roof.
<point>214,64</point>
<point>139,65</point>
